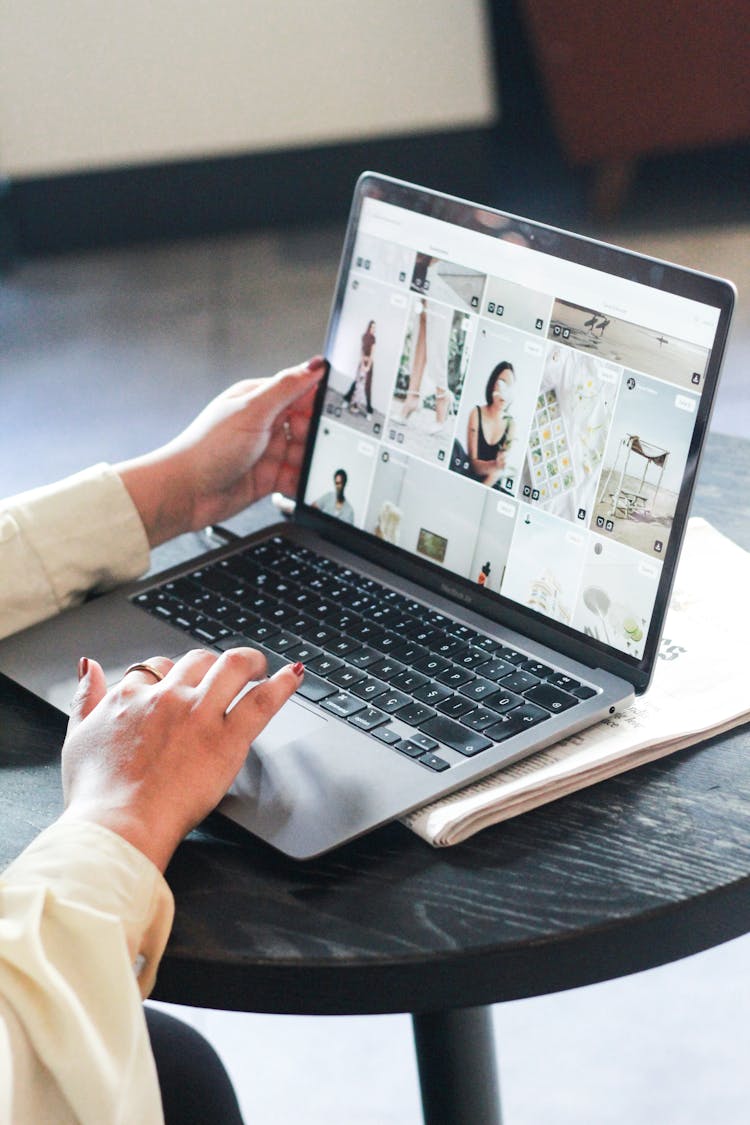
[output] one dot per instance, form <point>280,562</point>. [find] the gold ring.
<point>142,666</point>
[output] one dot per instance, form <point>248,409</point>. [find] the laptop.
<point>489,518</point>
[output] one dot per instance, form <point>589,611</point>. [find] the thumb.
<point>292,383</point>
<point>92,687</point>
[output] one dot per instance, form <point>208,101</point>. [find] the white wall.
<point>98,83</point>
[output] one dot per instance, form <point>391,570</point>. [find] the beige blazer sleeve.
<point>84,918</point>
<point>59,542</point>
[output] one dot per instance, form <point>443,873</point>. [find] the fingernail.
<point>83,667</point>
<point>298,668</point>
<point>316,363</point>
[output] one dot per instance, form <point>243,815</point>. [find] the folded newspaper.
<point>699,689</point>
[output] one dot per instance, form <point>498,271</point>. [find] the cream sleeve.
<point>59,542</point>
<point>84,918</point>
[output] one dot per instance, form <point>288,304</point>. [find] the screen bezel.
<point>575,248</point>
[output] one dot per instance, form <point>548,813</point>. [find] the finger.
<point>149,671</point>
<point>260,704</point>
<point>231,674</point>
<point>92,687</point>
<point>192,666</point>
<point>291,384</point>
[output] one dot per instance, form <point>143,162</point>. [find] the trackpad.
<point>305,782</point>
<point>292,723</point>
<point>282,766</point>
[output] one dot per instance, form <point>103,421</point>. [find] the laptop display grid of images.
<point>607,376</point>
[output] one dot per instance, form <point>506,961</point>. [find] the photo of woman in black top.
<point>491,428</point>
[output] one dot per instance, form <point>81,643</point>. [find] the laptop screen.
<point>505,405</point>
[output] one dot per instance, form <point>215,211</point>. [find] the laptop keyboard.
<point>413,678</point>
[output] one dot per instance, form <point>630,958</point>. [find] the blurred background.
<point>175,177</point>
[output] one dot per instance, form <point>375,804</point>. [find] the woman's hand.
<point>248,442</point>
<point>149,759</point>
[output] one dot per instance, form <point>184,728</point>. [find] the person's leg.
<point>417,368</point>
<point>195,1087</point>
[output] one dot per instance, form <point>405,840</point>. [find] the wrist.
<point>156,844</point>
<point>153,484</point>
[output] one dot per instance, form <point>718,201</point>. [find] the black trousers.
<point>195,1087</point>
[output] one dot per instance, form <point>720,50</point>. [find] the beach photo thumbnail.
<point>629,345</point>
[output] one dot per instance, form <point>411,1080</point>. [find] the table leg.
<point>457,1068</point>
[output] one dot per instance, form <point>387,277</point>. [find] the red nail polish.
<point>298,668</point>
<point>83,667</point>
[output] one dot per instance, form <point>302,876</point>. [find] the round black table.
<point>640,870</point>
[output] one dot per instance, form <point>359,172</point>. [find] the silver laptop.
<point>495,490</point>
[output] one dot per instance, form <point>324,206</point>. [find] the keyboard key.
<point>518,681</point>
<point>346,676</point>
<point>343,704</point>
<point>511,655</point>
<point>392,700</point>
<point>315,689</point>
<point>409,681</point>
<point>406,746</point>
<point>567,683</point>
<point>453,734</point>
<point>471,658</point>
<point>494,669</point>
<point>262,631</point>
<point>487,644</point>
<point>551,698</point>
<point>386,668</point>
<point>455,706</point>
<point>209,633</point>
<point>513,722</point>
<point>423,740</point>
<point>319,635</point>
<point>408,652</point>
<point>369,688</point>
<point>584,692</point>
<point>324,665</point>
<point>433,762</point>
<point>454,676</point>
<point>432,665</point>
<point>449,646</point>
<point>363,657</point>
<point>387,735</point>
<point>503,701</point>
<point>367,633</point>
<point>537,668</point>
<point>414,714</point>
<point>480,718</point>
<point>304,652</point>
<point>432,694</point>
<point>281,642</point>
<point>478,689</point>
<point>234,641</point>
<point>340,646</point>
<point>368,719</point>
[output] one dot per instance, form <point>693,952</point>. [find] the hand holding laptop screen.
<point>248,442</point>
